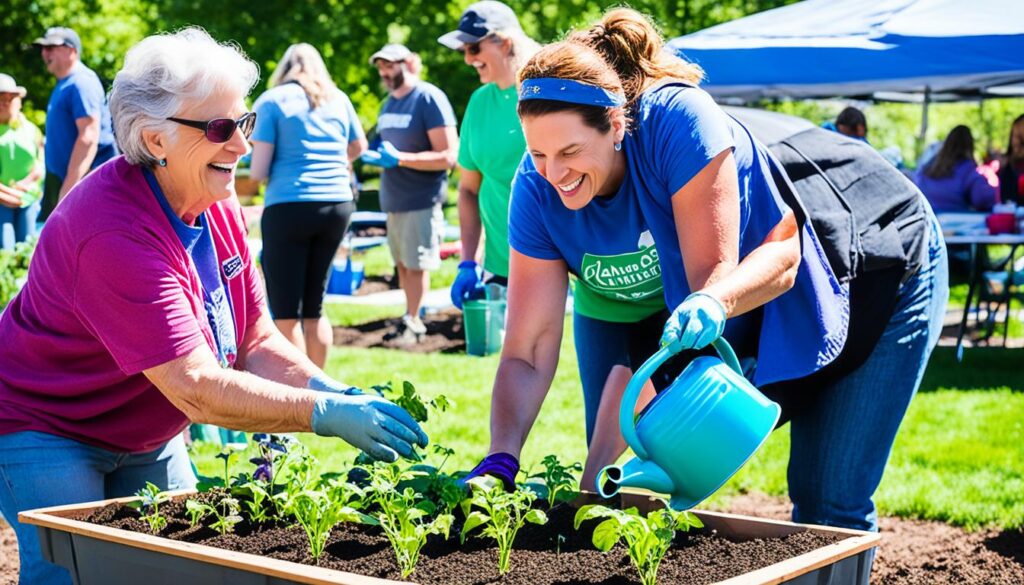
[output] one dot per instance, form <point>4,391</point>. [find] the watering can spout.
<point>636,473</point>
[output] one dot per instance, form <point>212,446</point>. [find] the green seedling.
<point>500,514</point>
<point>560,481</point>
<point>317,511</point>
<point>648,539</point>
<point>226,513</point>
<point>405,517</point>
<point>148,505</point>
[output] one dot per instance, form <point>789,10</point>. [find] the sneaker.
<point>408,331</point>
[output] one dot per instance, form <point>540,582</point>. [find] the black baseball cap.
<point>478,21</point>
<point>59,36</point>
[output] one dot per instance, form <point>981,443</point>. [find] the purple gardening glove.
<point>500,465</point>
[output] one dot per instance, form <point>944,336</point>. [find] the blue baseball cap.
<point>478,21</point>
<point>59,36</point>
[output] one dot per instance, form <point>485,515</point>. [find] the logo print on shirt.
<point>232,267</point>
<point>625,277</point>
<point>400,121</point>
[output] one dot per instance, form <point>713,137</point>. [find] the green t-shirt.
<point>492,144</point>
<point>19,151</point>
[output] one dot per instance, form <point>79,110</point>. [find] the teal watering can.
<point>695,434</point>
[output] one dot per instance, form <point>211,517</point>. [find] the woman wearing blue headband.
<point>735,259</point>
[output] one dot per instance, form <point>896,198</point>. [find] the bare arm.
<point>356,148</point>
<point>266,353</point>
<point>707,216</point>
<point>262,156</point>
<point>207,393</point>
<point>529,358</point>
<point>470,225</point>
<point>82,153</point>
<point>444,148</point>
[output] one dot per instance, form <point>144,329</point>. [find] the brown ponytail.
<point>630,43</point>
<point>623,53</point>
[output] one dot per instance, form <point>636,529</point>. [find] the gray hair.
<point>164,72</point>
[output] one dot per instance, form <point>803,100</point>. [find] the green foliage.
<point>14,269</point>
<point>560,481</point>
<point>500,514</point>
<point>402,513</point>
<point>647,539</point>
<point>227,513</point>
<point>148,505</point>
<point>317,511</point>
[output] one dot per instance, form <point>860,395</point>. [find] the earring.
<point>618,146</point>
<point>163,162</point>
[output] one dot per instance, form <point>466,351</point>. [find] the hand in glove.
<point>500,465</point>
<point>377,426</point>
<point>696,322</point>
<point>468,284</point>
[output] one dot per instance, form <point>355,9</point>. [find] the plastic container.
<point>485,326</point>
<point>346,277</point>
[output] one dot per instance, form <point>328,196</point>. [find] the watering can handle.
<point>627,422</point>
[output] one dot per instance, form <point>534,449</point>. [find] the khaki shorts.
<point>414,237</point>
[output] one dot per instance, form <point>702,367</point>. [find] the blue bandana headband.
<point>567,90</point>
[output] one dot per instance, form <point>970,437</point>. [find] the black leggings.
<point>299,243</point>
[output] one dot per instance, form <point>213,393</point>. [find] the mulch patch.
<point>553,554</point>
<point>445,334</point>
<point>913,552</point>
<point>377,283</point>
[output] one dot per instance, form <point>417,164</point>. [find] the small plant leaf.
<point>475,518</point>
<point>536,516</point>
<point>606,534</point>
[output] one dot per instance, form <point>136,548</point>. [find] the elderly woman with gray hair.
<point>143,310</point>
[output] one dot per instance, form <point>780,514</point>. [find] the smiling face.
<point>199,172</point>
<point>578,160</point>
<point>10,105</point>
<point>490,59</point>
<point>59,59</point>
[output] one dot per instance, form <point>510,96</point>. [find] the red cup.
<point>1001,223</point>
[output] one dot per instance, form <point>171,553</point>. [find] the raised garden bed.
<point>729,549</point>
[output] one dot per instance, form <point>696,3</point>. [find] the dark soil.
<point>913,552</point>
<point>543,555</point>
<point>444,334</point>
<point>377,283</point>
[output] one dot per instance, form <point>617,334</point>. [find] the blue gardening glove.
<point>379,427</point>
<point>325,383</point>
<point>696,322</point>
<point>500,465</point>
<point>385,156</point>
<point>468,284</point>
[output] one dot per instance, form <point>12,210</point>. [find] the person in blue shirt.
<point>79,136</point>
<point>307,134</point>
<point>417,145</point>
<point>608,112</point>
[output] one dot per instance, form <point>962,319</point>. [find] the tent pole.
<point>924,122</point>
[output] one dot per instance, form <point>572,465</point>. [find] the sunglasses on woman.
<point>220,130</point>
<point>474,48</point>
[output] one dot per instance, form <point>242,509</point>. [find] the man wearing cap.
<point>416,146</point>
<point>21,166</point>
<point>78,130</point>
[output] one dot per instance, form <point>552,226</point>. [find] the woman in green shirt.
<point>21,166</point>
<point>491,142</point>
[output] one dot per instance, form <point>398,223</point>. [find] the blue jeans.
<point>841,446</point>
<point>39,470</point>
<point>17,224</point>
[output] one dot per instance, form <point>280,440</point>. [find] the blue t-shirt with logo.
<point>677,130</point>
<point>404,123</point>
<point>310,145</point>
<point>606,245</point>
<point>78,95</point>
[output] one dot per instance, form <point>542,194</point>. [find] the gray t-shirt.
<point>404,123</point>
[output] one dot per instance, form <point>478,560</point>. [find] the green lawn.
<point>959,456</point>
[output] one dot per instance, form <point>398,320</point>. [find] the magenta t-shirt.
<point>111,292</point>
